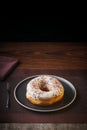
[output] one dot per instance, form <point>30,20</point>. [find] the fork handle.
<point>8,100</point>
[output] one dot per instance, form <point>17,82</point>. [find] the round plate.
<point>69,96</point>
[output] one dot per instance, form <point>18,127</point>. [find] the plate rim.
<point>51,110</point>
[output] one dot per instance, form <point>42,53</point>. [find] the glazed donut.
<point>44,90</point>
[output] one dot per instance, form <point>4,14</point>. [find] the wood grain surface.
<point>47,55</point>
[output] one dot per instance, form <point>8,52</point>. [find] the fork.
<point>8,89</point>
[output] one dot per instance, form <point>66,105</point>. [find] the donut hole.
<point>44,87</point>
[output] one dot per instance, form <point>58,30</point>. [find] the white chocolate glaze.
<point>35,88</point>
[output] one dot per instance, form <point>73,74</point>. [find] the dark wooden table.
<point>48,55</point>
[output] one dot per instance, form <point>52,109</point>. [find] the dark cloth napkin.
<point>7,64</point>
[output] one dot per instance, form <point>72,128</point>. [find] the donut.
<point>44,90</point>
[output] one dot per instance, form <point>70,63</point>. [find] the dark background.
<point>42,28</point>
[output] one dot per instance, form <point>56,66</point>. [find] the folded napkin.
<point>7,64</point>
